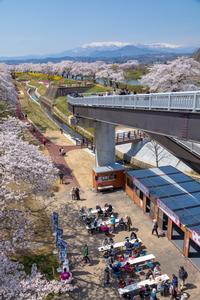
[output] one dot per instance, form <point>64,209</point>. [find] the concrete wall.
<point>57,91</point>
<point>104,143</point>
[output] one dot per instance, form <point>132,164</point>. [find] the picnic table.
<point>117,245</point>
<point>100,223</point>
<point>95,211</point>
<point>138,260</point>
<point>138,285</point>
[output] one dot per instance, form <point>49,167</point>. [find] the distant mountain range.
<point>110,51</point>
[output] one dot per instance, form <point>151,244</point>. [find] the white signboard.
<point>140,186</point>
<point>196,237</point>
<point>168,212</point>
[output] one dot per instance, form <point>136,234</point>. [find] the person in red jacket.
<point>66,276</point>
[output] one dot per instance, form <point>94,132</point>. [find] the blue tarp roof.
<point>195,228</point>
<point>189,216</point>
<point>145,173</point>
<point>162,180</point>
<point>166,191</point>
<point>182,201</point>
<point>179,192</point>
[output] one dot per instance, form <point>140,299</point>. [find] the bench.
<point>106,187</point>
<point>138,260</point>
<point>138,285</point>
<point>116,245</point>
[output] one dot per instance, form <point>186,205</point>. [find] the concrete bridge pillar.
<point>104,143</point>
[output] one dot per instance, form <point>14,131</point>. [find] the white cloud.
<point>105,44</point>
<point>122,44</point>
<point>164,45</point>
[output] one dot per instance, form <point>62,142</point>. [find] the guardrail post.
<point>134,101</point>
<point>169,102</point>
<point>194,102</point>
<point>150,100</point>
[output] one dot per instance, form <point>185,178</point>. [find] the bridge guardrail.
<point>164,101</point>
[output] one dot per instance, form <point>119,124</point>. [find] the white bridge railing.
<point>163,101</point>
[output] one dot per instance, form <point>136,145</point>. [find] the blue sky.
<point>49,26</point>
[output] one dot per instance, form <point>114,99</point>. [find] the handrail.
<point>165,101</point>
<point>192,147</point>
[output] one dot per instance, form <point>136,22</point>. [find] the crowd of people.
<point>96,222</point>
<point>117,265</point>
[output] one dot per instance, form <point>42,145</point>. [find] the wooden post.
<point>144,203</point>
<point>169,230</point>
<point>186,243</point>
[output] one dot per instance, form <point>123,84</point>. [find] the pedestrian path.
<point>53,150</point>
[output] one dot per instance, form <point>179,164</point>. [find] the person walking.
<point>113,222</point>
<point>61,130</point>
<point>173,292</point>
<point>77,193</point>
<point>61,176</point>
<point>44,141</point>
<point>183,275</point>
<point>86,253</point>
<point>106,276</point>
<point>73,193</point>
<point>62,151</point>
<point>175,281</point>
<point>155,227</point>
<point>128,223</point>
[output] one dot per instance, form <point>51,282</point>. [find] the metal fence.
<point>163,101</point>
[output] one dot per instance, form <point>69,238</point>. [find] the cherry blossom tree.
<point>98,69</point>
<point>16,284</point>
<point>21,162</point>
<point>181,74</point>
<point>23,171</point>
<point>7,88</point>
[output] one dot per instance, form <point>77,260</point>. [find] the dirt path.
<point>81,162</point>
<point>57,138</point>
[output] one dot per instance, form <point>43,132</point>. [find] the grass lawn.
<point>36,114</point>
<point>98,89</point>
<point>46,264</point>
<point>41,87</point>
<point>62,104</point>
<point>134,74</point>
<point>139,89</point>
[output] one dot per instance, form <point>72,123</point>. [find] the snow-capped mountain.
<point>113,51</point>
<point>119,49</point>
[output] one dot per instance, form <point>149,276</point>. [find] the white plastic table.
<point>139,285</point>
<point>95,211</point>
<point>117,245</point>
<point>100,223</point>
<point>138,260</point>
